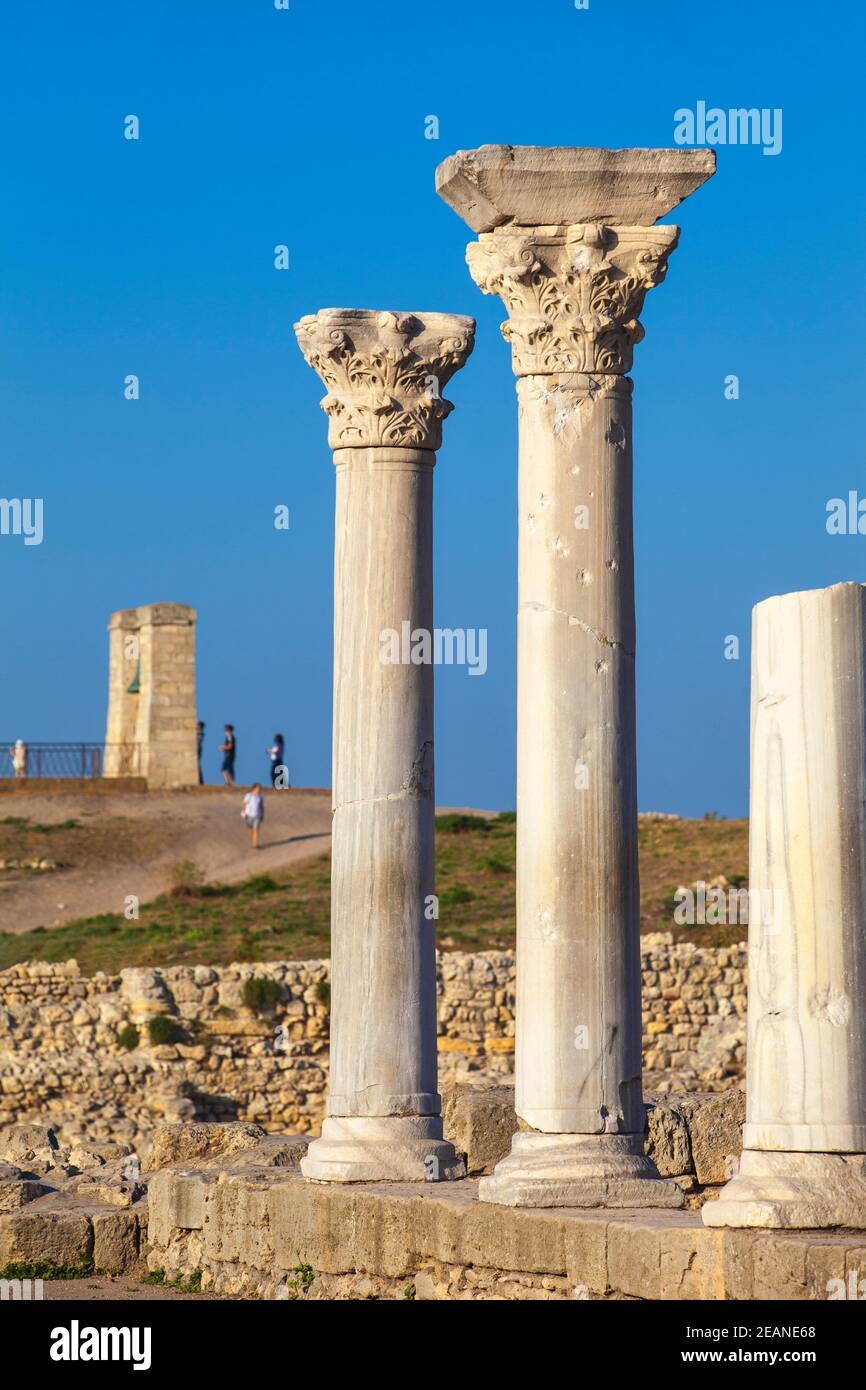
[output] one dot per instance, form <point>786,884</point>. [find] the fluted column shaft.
<point>578,989</point>
<point>383,1047</point>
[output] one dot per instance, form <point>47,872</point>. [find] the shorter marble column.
<point>383,372</point>
<point>804,1141</point>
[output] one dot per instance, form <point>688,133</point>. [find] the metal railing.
<point>72,759</point>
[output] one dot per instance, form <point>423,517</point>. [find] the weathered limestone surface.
<point>804,1160</point>
<point>151,726</point>
<point>572,257</point>
<point>384,373</point>
<point>535,185</point>
<point>249,1227</point>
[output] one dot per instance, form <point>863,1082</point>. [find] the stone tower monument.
<point>151,695</point>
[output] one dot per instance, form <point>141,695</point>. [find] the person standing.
<point>199,743</point>
<point>18,754</point>
<point>253,812</point>
<point>229,748</point>
<point>276,753</point>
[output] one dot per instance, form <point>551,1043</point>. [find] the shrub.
<point>259,883</point>
<point>457,823</point>
<point>128,1038</point>
<point>457,893</point>
<point>495,865</point>
<point>323,993</point>
<point>162,1029</point>
<point>185,878</point>
<point>260,994</point>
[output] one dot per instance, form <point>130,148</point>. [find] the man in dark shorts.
<point>229,750</point>
<point>199,741</point>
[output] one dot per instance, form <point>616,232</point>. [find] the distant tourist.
<point>276,753</point>
<point>18,754</point>
<point>229,751</point>
<point>199,742</point>
<point>253,812</point>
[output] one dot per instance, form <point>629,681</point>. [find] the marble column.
<point>383,373</point>
<point>567,241</point>
<point>804,1141</point>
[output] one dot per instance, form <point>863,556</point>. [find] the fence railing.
<point>71,759</point>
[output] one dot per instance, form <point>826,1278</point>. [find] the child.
<point>253,812</point>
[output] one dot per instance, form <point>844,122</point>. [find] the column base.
<point>578,1170</point>
<point>799,1191</point>
<point>390,1148</point>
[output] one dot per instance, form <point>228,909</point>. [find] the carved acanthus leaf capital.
<point>573,294</point>
<point>384,373</point>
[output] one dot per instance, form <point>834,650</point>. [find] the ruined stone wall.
<point>62,1062</point>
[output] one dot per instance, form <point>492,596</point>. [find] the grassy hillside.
<point>286,916</point>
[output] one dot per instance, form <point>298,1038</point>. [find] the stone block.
<point>175,1202</point>
<point>115,1241</point>
<point>17,1192</point>
<point>58,1235</point>
<point>667,1137</point>
<point>29,1146</point>
<point>480,1122</point>
<point>715,1124</point>
<point>541,186</point>
<point>183,1143</point>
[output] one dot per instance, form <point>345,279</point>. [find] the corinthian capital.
<point>573,293</point>
<point>384,373</point>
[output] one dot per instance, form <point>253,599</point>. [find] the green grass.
<point>36,827</point>
<point>286,916</point>
<point>43,1269</point>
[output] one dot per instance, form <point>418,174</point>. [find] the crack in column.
<point>600,637</point>
<point>418,785</point>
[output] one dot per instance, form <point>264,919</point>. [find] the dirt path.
<point>203,826</point>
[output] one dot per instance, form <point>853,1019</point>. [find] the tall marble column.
<point>567,241</point>
<point>804,1142</point>
<point>384,373</point>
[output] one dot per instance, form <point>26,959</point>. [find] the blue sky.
<point>306,127</point>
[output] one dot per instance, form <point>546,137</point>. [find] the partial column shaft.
<point>804,1154</point>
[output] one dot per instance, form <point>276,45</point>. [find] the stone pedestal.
<point>151,726</point>
<point>574,285</point>
<point>804,1140</point>
<point>384,373</point>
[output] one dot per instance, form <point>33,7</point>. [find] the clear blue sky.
<point>306,127</point>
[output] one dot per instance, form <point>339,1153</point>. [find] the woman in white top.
<point>18,754</point>
<point>253,812</point>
